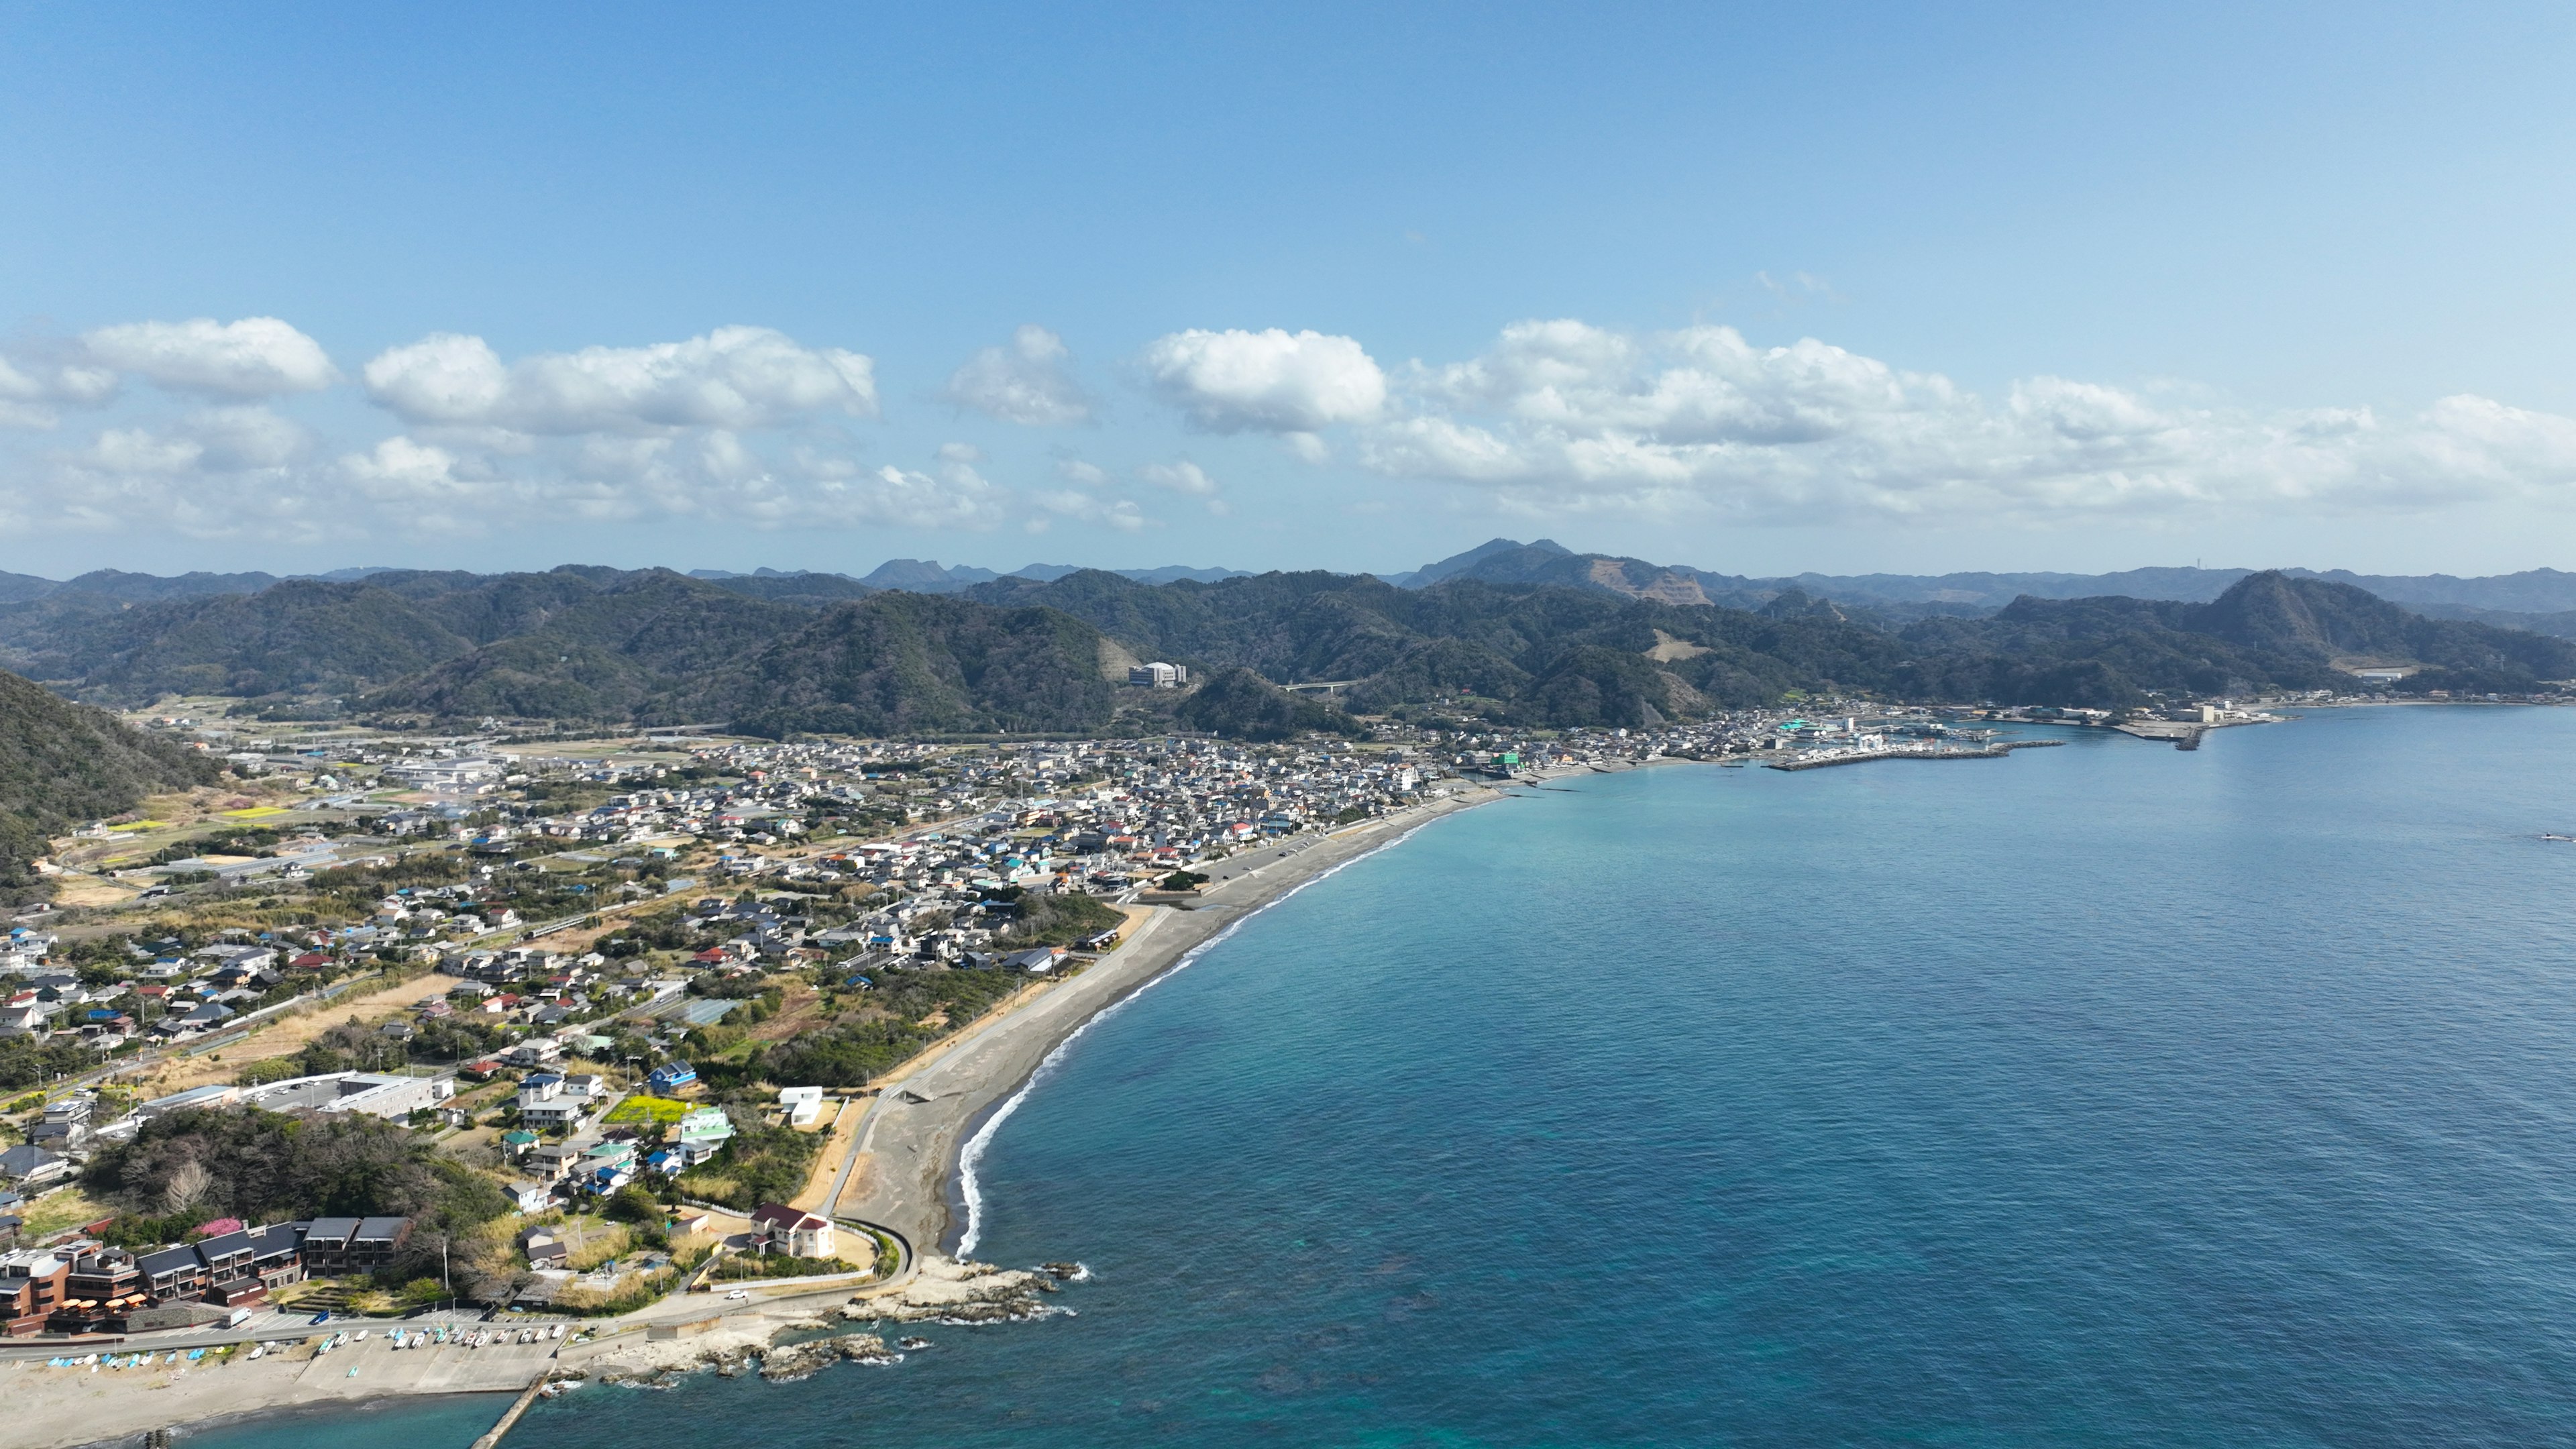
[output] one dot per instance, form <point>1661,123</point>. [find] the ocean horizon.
<point>2104,1095</point>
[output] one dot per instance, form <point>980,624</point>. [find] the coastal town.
<point>638,1019</point>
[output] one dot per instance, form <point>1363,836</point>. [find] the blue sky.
<point>1762,289</point>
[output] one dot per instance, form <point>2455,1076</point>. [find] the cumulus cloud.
<point>254,357</point>
<point>1081,474</point>
<point>733,377</point>
<point>1268,382</point>
<point>1561,417</point>
<point>219,440</point>
<point>1028,381</point>
<point>676,431</point>
<point>29,390</point>
<point>406,470</point>
<point>1118,513</point>
<point>1180,477</point>
<point>951,494</point>
<point>225,474</point>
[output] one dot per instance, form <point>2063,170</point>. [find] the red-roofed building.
<point>777,1228</point>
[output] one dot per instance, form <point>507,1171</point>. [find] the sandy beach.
<point>52,1408</point>
<point>904,1176</point>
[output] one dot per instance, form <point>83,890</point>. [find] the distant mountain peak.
<point>925,576</point>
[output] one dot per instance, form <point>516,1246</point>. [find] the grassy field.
<point>62,1208</point>
<point>640,1109</point>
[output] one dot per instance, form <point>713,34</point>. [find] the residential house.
<point>536,1051</point>
<point>670,1077</point>
<point>551,1162</point>
<point>1037,961</point>
<point>544,1103</point>
<point>66,1123</point>
<point>776,1228</point>
<point>702,1132</point>
<point>545,1251</point>
<point>334,1246</point>
<point>802,1105</point>
<point>30,1165</point>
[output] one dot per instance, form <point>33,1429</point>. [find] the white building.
<point>802,1105</point>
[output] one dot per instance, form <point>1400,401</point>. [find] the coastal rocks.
<point>736,1350</point>
<point>798,1360</point>
<point>730,1347</point>
<point>948,1291</point>
<point>733,1345</point>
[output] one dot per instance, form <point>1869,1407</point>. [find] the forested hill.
<point>1553,654</point>
<point>62,764</point>
<point>2269,630</point>
<point>821,653</point>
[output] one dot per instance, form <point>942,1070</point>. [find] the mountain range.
<point>1584,642</point>
<point>2541,600</point>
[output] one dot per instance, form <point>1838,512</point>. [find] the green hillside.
<point>902,663</point>
<point>62,764</point>
<point>1506,639</point>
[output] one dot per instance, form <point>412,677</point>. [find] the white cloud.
<point>951,495</point>
<point>1564,418</point>
<point>1269,382</point>
<point>219,440</point>
<point>1026,382</point>
<point>1081,474</point>
<point>1118,513</point>
<point>734,377</point>
<point>405,470</point>
<point>254,357</point>
<point>29,389</point>
<point>1181,477</point>
<point>244,438</point>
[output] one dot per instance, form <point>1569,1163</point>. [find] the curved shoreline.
<point>909,1169</point>
<point>909,1156</point>
<point>983,1124</point>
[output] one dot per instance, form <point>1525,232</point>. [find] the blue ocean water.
<point>2105,1095</point>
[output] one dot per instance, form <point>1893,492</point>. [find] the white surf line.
<point>970,1187</point>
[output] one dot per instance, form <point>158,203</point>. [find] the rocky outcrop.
<point>798,1360</point>
<point>735,1351</point>
<point>943,1291</point>
<point>948,1291</point>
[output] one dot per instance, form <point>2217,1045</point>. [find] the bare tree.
<point>186,1186</point>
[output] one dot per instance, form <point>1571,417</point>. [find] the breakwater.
<point>1817,760</point>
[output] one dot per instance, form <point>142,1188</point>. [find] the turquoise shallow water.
<point>2104,1095</point>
